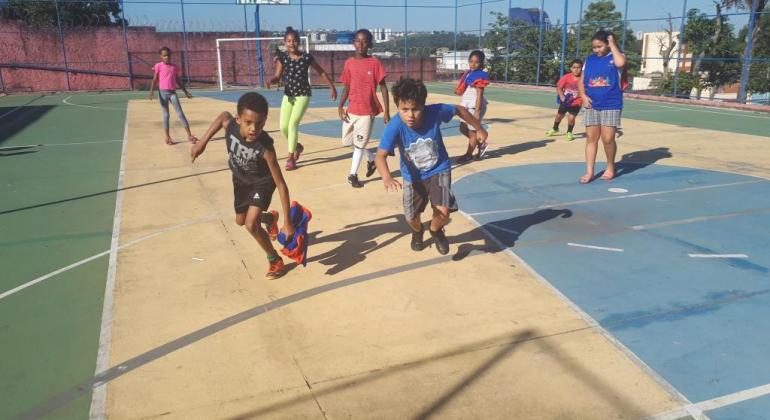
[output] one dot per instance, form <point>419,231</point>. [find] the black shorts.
<point>259,195</point>
<point>574,110</point>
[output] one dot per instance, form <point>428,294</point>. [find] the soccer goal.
<point>243,62</point>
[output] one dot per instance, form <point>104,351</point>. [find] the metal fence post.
<point>745,73</point>
<point>564,38</point>
<point>355,15</point>
<point>481,6</point>
<point>2,82</point>
<point>406,52</point>
<point>260,64</point>
<point>508,42</point>
<point>454,65</point>
<point>625,20</point>
<point>580,27</point>
<point>679,50</point>
<point>539,42</point>
<point>63,48</point>
<point>302,18</point>
<point>186,59</point>
<point>245,35</point>
<point>125,42</point>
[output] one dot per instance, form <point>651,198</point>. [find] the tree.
<point>39,14</point>
<point>759,76</point>
<point>759,6</point>
<point>602,15</point>
<point>666,45</point>
<point>713,47</point>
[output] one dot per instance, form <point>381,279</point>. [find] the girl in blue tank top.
<point>600,88</point>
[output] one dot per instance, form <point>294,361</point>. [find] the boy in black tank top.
<point>256,174</point>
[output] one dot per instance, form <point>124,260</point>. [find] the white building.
<point>381,34</point>
<point>652,59</point>
<point>455,60</point>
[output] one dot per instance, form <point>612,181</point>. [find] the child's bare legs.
<point>472,142</point>
<point>570,119</point>
<point>252,220</point>
<point>168,136</point>
<point>593,133</point>
<point>610,149</point>
<point>440,218</point>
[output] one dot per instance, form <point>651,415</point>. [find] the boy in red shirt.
<point>569,99</point>
<point>361,75</point>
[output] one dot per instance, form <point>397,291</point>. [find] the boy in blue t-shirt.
<point>425,164</point>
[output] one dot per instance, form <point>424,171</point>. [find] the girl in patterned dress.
<point>294,65</point>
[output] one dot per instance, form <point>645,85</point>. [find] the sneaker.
<point>354,182</point>
<point>442,243</point>
<point>298,151</point>
<point>570,136</point>
<point>483,147</point>
<point>291,164</point>
<point>276,269</point>
<point>551,132</point>
<point>272,229</point>
<point>417,244</point>
<point>370,168</point>
<point>463,159</point>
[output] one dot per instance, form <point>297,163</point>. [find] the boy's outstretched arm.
<point>466,116</point>
<point>220,122</point>
<point>341,108</point>
<point>283,190</point>
<point>380,160</point>
<point>385,101</point>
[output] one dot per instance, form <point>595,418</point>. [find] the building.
<point>530,16</point>
<point>381,34</point>
<point>652,59</point>
<point>454,60</point>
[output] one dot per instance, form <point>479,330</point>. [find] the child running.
<point>425,165</point>
<point>603,100</point>
<point>569,99</point>
<point>167,76</point>
<point>361,75</point>
<point>471,87</point>
<point>296,95</point>
<point>256,174</point>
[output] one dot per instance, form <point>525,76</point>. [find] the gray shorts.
<point>605,117</point>
<point>437,189</point>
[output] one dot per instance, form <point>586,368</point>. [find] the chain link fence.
<point>682,48</point>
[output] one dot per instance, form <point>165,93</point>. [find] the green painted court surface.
<point>57,207</point>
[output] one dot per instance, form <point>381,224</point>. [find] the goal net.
<point>244,63</point>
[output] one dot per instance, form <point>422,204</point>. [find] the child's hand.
<point>288,230</point>
<point>333,94</point>
<point>197,149</point>
<point>152,97</point>
<point>386,118</point>
<point>587,102</point>
<point>343,114</point>
<point>189,95</point>
<point>611,39</point>
<point>391,185</point>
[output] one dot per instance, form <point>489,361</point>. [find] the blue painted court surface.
<point>674,263</point>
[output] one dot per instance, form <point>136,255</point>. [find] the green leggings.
<point>292,110</point>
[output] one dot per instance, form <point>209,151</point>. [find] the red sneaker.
<point>276,269</point>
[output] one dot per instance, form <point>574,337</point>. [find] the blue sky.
<point>423,15</point>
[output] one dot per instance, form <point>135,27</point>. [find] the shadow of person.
<point>506,232</point>
<point>631,162</point>
<point>513,149</point>
<point>358,240</point>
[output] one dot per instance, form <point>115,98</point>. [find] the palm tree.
<point>754,35</point>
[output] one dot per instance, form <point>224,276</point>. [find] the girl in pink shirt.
<point>167,76</point>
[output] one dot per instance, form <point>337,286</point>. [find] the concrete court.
<point>369,329</point>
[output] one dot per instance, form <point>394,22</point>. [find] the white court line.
<point>79,143</point>
<point>714,403</point>
<point>93,107</point>
<point>513,232</point>
<point>103,253</point>
<point>601,248</point>
<point>692,410</point>
<point>718,255</point>
<point>98,408</point>
<point>617,197</point>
